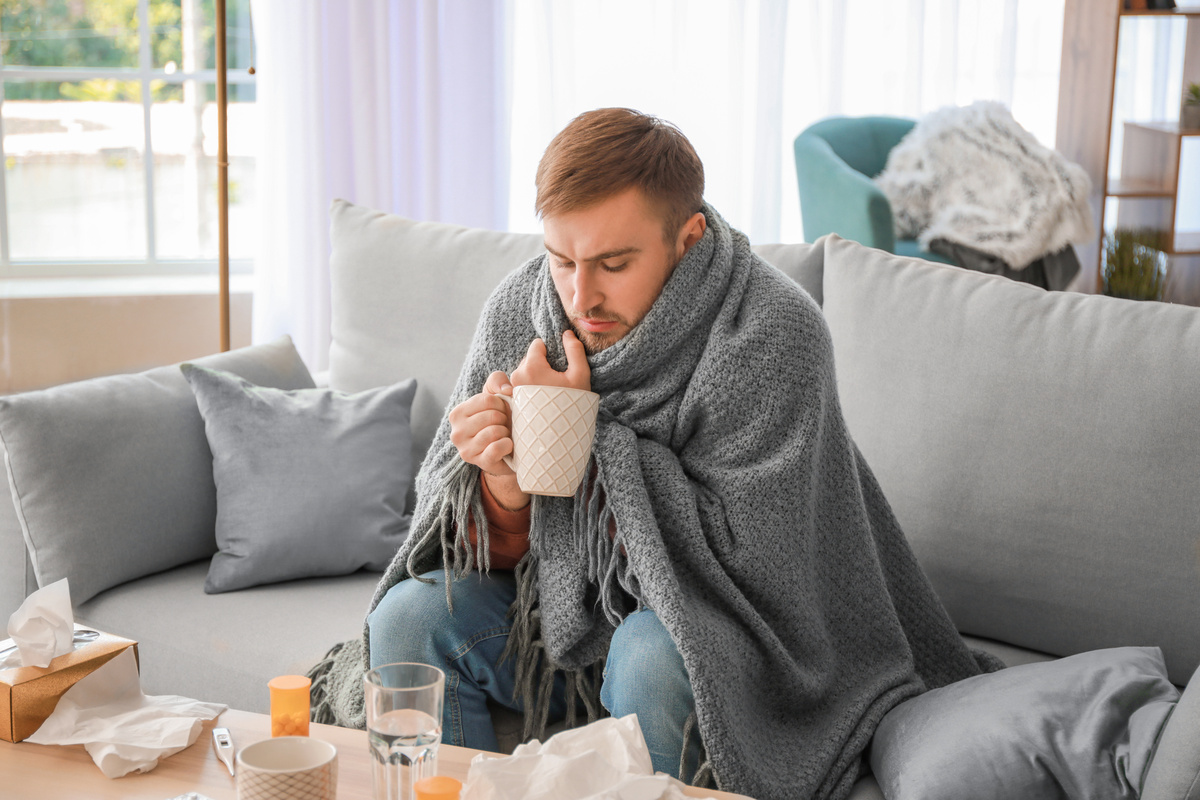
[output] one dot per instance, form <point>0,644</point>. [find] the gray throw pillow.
<point>309,482</point>
<point>111,478</point>
<point>1082,726</point>
<point>1174,773</point>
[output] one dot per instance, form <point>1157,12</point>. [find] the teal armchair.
<point>836,159</point>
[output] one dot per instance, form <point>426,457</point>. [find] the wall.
<point>51,340</point>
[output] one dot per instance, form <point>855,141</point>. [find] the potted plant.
<point>1135,263</point>
<point>1189,115</point>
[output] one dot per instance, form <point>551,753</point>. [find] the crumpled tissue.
<point>606,760</point>
<point>42,628</point>
<point>122,729</point>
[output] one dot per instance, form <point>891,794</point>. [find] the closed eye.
<point>614,267</point>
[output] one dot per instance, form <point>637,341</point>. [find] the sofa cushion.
<point>16,573</point>
<point>223,648</point>
<point>1175,771</point>
<point>1011,655</point>
<point>1040,449</point>
<point>802,262</point>
<point>111,478</point>
<point>385,270</point>
<point>1083,726</point>
<point>309,482</point>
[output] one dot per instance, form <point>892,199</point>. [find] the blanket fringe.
<point>534,670</point>
<point>336,694</point>
<point>321,706</point>
<point>704,777</point>
<point>460,505</point>
<point>599,541</point>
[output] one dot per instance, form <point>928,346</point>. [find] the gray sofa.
<point>1041,450</point>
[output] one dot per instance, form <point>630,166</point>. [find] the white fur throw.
<point>974,176</point>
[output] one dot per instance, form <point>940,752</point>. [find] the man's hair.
<point>602,153</point>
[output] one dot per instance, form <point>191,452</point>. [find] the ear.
<point>690,233</point>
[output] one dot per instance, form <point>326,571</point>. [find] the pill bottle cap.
<point>439,787</point>
<point>289,683</point>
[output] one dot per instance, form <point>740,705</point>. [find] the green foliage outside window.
<point>104,34</point>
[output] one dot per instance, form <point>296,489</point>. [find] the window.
<point>108,137</point>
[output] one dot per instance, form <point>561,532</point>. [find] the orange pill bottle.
<point>439,787</point>
<point>289,705</point>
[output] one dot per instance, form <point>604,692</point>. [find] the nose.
<point>587,292</point>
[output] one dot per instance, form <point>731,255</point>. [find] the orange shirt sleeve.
<point>508,531</point>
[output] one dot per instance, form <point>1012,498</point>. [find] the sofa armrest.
<point>1174,772</point>
<point>836,198</point>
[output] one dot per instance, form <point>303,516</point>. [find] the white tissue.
<point>43,627</point>
<point>122,729</point>
<point>607,760</point>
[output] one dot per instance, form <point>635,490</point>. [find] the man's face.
<point>609,262</point>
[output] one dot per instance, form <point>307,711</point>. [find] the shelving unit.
<point>1150,163</point>
<point>1146,190</point>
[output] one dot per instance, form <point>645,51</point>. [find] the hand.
<point>536,369</point>
<point>481,429</point>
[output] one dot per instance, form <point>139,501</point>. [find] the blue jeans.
<point>643,674</point>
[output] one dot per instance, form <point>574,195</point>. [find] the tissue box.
<point>29,694</point>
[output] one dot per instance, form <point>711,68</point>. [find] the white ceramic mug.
<point>287,768</point>
<point>552,432</point>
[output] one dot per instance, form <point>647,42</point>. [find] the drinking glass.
<point>404,725</point>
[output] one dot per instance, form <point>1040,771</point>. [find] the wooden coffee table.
<point>41,772</point>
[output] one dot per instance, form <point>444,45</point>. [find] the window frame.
<point>144,73</point>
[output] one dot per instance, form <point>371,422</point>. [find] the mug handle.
<point>508,459</point>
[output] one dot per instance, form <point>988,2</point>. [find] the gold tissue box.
<point>29,694</point>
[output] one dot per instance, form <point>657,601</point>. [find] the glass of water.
<point>404,725</point>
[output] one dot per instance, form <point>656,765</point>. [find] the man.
<point>730,556</point>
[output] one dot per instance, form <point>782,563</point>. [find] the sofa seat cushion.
<point>1040,449</point>
<point>224,648</point>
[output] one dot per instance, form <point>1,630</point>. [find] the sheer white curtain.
<point>400,105</point>
<point>742,79</point>
<point>715,68</point>
<point>440,109</point>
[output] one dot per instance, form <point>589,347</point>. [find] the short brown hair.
<point>602,153</point>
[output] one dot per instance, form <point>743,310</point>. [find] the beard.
<point>595,342</point>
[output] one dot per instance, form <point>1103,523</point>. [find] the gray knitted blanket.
<point>745,518</point>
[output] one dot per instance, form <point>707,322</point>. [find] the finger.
<point>472,448</point>
<point>475,404</point>
<point>535,356</point>
<point>579,372</point>
<point>473,415</point>
<point>469,427</point>
<point>496,451</point>
<point>498,383</point>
